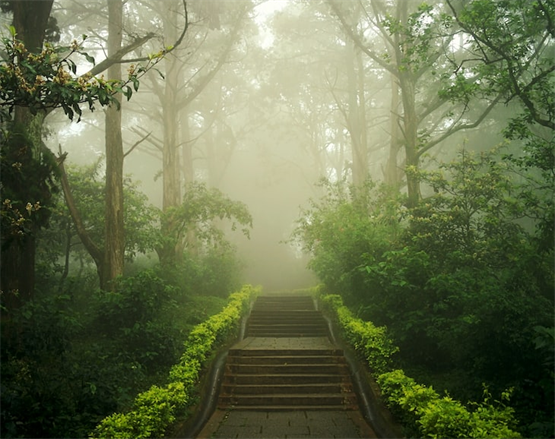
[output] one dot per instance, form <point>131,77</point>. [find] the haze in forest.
<point>273,115</point>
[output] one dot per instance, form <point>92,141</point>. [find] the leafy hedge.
<point>423,412</point>
<point>155,410</point>
<point>370,341</point>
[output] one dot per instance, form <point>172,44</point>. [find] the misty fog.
<point>269,117</point>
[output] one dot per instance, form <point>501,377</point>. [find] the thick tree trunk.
<point>30,18</point>
<point>17,278</point>
<point>114,225</point>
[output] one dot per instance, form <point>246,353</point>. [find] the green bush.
<point>346,223</point>
<point>154,410</point>
<point>422,411</point>
<point>371,342</point>
<point>426,414</point>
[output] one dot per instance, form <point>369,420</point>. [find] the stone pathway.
<point>293,343</point>
<point>236,424</point>
<point>286,348</point>
<point>239,424</point>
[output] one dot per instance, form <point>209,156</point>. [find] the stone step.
<point>271,334</point>
<point>285,359</point>
<point>325,399</point>
<point>286,303</point>
<point>294,308</point>
<point>315,378</point>
<point>281,369</point>
<point>273,379</point>
<point>258,389</point>
<point>285,300</point>
<point>285,316</point>
<point>269,331</point>
<point>285,352</point>
<point>286,320</point>
<point>288,408</point>
<point>291,326</point>
<point>292,329</point>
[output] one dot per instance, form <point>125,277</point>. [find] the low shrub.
<point>427,414</point>
<point>421,410</point>
<point>369,341</point>
<point>156,409</point>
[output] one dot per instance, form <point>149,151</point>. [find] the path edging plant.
<point>421,410</point>
<point>155,409</point>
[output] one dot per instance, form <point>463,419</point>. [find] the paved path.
<point>238,424</point>
<point>285,425</point>
<point>284,343</point>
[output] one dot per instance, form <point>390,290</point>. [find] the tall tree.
<point>114,240</point>
<point>418,49</point>
<point>110,258</point>
<point>513,44</point>
<point>26,150</point>
<point>187,75</point>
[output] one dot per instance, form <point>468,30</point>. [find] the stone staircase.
<point>286,361</point>
<point>286,316</point>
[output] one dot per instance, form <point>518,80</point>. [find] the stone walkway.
<point>301,343</point>
<point>286,425</point>
<point>239,424</point>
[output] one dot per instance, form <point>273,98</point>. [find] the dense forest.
<point>157,155</point>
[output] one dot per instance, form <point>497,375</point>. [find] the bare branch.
<point>137,143</point>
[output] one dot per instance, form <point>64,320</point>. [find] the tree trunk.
<point>407,83</point>
<point>114,225</point>
<point>171,169</point>
<point>357,116</point>
<point>171,175</point>
<point>391,175</point>
<point>187,150</point>
<point>30,18</point>
<point>17,278</point>
<point>410,128</point>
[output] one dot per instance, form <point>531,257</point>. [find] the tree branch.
<point>96,253</point>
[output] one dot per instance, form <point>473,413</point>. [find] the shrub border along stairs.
<point>155,410</point>
<point>420,409</point>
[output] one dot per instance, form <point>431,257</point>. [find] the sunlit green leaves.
<point>427,414</point>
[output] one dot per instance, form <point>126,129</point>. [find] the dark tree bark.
<point>30,19</point>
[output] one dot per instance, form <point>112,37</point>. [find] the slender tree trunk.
<point>410,128</point>
<point>357,117</point>
<point>114,226</point>
<point>171,175</point>
<point>392,176</point>
<point>187,150</point>
<point>407,83</point>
